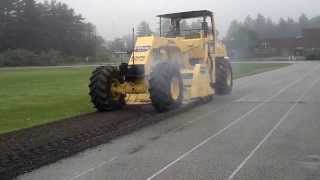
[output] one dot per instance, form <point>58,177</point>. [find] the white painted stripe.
<point>203,116</point>
<point>92,169</point>
<point>235,172</point>
<point>228,126</point>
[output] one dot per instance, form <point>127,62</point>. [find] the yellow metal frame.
<point>202,74</point>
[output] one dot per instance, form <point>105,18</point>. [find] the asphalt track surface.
<point>268,128</point>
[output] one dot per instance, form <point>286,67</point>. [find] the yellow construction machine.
<point>166,70</point>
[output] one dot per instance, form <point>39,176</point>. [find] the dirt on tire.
<point>160,82</point>
<point>100,89</point>
<point>223,68</point>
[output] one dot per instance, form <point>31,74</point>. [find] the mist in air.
<point>115,18</point>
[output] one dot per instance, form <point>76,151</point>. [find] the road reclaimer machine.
<point>167,69</point>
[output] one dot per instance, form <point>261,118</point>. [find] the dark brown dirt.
<point>25,150</point>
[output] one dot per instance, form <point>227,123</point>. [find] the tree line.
<point>50,32</point>
<point>244,35</point>
<point>241,35</point>
<point>44,26</point>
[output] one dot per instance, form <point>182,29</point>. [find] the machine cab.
<point>175,29</point>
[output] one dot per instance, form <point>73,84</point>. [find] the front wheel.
<point>224,77</point>
<point>166,87</point>
<point>102,81</point>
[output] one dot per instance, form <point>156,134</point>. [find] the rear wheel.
<point>224,77</point>
<point>166,87</point>
<point>102,81</point>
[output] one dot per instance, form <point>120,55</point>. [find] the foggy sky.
<point>114,18</point>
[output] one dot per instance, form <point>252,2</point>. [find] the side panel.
<point>201,82</point>
<point>143,50</point>
<point>147,50</point>
<point>221,51</point>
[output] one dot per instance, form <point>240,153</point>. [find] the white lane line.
<point>247,84</point>
<point>243,98</point>
<point>227,127</point>
<point>186,124</point>
<point>235,172</point>
<point>249,94</point>
<point>92,169</point>
<point>240,86</point>
<point>204,115</point>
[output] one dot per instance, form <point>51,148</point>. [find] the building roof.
<point>188,14</point>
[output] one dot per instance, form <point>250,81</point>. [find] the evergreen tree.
<point>27,24</point>
<point>314,22</point>
<point>303,21</point>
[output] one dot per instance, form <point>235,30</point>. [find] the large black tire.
<point>100,89</point>
<point>160,83</point>
<point>224,77</point>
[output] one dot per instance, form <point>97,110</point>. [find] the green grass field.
<point>247,69</point>
<point>30,97</point>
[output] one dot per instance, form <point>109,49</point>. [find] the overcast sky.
<point>116,17</point>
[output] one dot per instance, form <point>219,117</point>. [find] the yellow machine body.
<point>166,70</point>
<point>195,55</point>
<point>196,76</point>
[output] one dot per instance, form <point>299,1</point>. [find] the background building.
<point>299,46</point>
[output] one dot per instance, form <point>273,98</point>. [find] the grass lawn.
<point>247,69</point>
<point>30,97</point>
